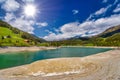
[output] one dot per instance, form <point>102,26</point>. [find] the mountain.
<point>11,36</point>
<point>110,37</point>
<point>111,31</point>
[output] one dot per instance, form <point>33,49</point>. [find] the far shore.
<point>35,48</point>
<point>116,47</point>
<point>21,49</point>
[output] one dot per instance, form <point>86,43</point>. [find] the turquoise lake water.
<point>8,60</point>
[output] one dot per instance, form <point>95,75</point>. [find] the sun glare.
<point>30,10</point>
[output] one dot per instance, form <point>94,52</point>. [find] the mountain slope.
<point>111,31</point>
<point>10,36</point>
<point>110,37</point>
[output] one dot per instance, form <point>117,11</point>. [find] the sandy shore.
<point>103,66</point>
<point>19,49</point>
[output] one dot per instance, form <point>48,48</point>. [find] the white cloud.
<point>87,28</point>
<point>115,1</point>
<point>55,37</point>
<point>28,0</point>
<point>105,1</point>
<point>1,1</point>
<point>117,9</point>
<point>9,17</point>
<point>101,11</point>
<point>23,24</point>
<point>10,5</point>
<point>20,22</point>
<point>56,30</point>
<point>75,12</point>
<point>42,24</point>
<point>48,31</point>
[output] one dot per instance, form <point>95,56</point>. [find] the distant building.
<point>26,41</point>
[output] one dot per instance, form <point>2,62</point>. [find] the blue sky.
<point>62,19</point>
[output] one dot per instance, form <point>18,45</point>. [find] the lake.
<point>8,60</point>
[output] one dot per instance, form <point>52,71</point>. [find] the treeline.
<point>113,40</point>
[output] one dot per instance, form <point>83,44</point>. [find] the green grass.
<point>15,39</point>
<point>11,36</point>
<point>6,31</point>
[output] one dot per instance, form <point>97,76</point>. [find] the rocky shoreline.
<point>102,66</point>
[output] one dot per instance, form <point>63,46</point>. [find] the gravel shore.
<point>102,66</point>
<point>19,49</point>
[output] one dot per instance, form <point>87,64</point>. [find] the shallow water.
<point>8,60</point>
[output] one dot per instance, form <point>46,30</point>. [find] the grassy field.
<point>9,38</point>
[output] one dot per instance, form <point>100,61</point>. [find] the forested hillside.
<point>110,37</point>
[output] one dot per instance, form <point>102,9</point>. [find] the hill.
<point>111,31</point>
<point>110,37</point>
<point>11,36</point>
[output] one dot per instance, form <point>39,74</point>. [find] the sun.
<point>30,10</point>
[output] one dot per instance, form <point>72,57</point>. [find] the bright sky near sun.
<point>61,19</point>
<point>30,10</point>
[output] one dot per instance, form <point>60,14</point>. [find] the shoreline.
<point>102,66</point>
<point>21,49</point>
<point>35,48</point>
<point>115,47</point>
